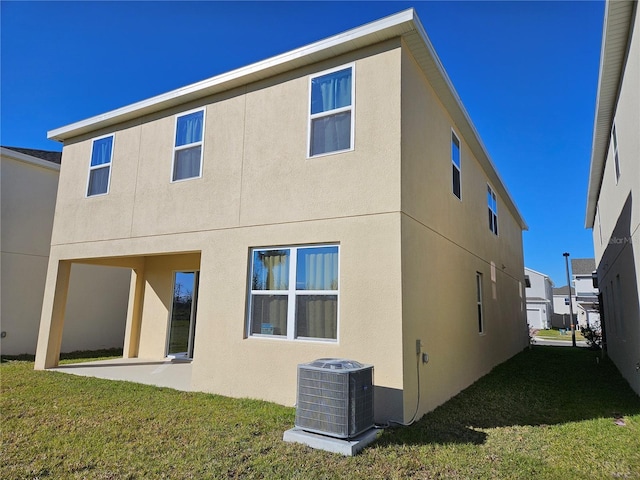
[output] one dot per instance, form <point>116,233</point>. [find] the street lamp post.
<point>573,329</point>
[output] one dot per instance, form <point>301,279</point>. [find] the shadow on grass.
<point>77,355</point>
<point>539,386</point>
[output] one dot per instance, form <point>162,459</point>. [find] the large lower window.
<point>100,167</point>
<point>294,292</point>
<point>331,112</point>
<point>187,155</point>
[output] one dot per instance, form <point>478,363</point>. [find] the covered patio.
<point>168,373</point>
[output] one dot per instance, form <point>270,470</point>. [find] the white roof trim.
<point>23,157</point>
<point>372,33</point>
<point>616,33</point>
<point>527,269</point>
<point>404,24</point>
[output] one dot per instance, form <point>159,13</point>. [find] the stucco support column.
<point>134,314</point>
<point>52,319</point>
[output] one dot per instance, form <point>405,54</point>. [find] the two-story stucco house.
<point>561,312</point>
<point>97,305</point>
<point>539,293</point>
<point>587,309</point>
<point>332,201</point>
<point>614,186</point>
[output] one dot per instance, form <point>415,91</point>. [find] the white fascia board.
<point>23,157</point>
<point>618,18</point>
<point>370,33</point>
<point>527,269</point>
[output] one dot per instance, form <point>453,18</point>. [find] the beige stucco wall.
<point>97,306</point>
<point>158,297</point>
<point>445,241</point>
<point>259,189</point>
<point>616,230</point>
<point>255,169</point>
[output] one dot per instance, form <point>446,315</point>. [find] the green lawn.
<point>556,335</point>
<point>549,413</point>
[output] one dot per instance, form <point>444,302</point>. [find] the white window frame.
<point>479,303</point>
<point>493,229</point>
<point>292,294</point>
<point>192,319</point>
<point>616,159</point>
<point>351,108</point>
<point>190,145</point>
<point>98,167</point>
<point>459,168</point>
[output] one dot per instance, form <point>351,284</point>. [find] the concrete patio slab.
<point>169,373</point>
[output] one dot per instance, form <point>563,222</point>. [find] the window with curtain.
<point>100,167</point>
<point>331,104</point>
<point>455,163</point>
<point>187,155</point>
<point>294,292</point>
<point>492,204</point>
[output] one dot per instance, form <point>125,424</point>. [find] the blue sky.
<point>526,72</point>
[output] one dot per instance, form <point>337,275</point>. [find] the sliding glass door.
<point>182,324</point>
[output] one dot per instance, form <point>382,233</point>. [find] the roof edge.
<point>217,83</point>
<point>605,106</point>
<point>23,157</point>
<point>467,118</point>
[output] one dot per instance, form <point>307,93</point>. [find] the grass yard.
<point>548,413</point>
<point>554,334</point>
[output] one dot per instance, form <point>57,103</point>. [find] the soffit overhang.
<point>616,37</point>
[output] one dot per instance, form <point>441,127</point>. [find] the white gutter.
<point>388,27</point>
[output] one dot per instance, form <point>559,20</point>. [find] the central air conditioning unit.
<point>335,397</point>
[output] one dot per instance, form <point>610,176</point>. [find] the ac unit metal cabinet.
<point>335,397</point>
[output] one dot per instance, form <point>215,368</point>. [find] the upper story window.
<point>100,168</point>
<point>455,164</point>
<point>492,204</point>
<point>331,111</point>
<point>294,292</point>
<point>614,139</point>
<point>187,153</point>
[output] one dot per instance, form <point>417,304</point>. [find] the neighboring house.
<point>332,201</point>
<point>613,211</point>
<point>587,312</point>
<point>561,313</point>
<point>97,305</point>
<point>539,293</point>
